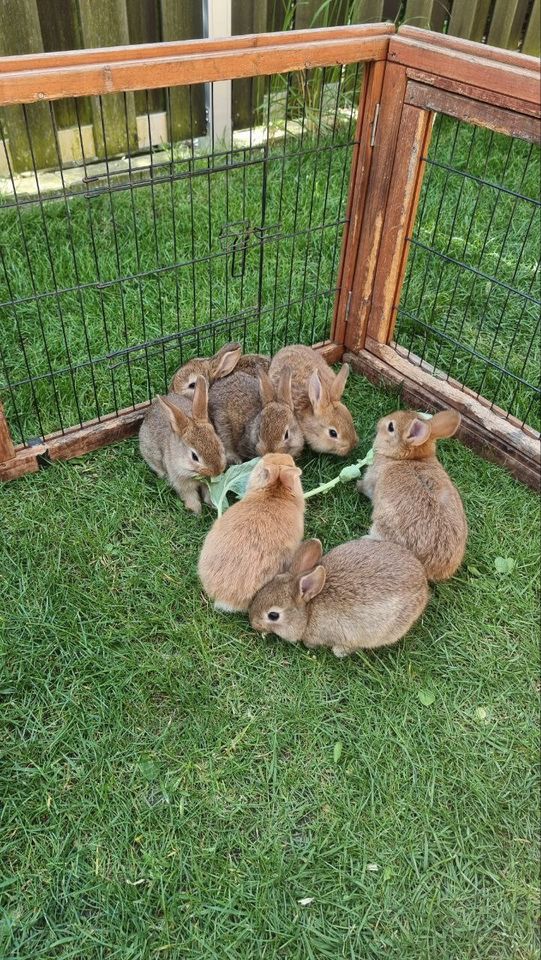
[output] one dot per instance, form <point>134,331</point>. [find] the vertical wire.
<point>210,168</point>
<point>76,270</point>
<point>533,340</point>
<point>325,200</point>
<point>228,161</point>
<point>156,243</point>
<point>51,263</point>
<point>308,234</point>
<point>264,175</point>
<point>169,113</point>
<point>89,210</point>
<point>296,209</point>
<point>280,200</point>
<point>346,165</point>
<point>191,172</point>
<point>150,390</point>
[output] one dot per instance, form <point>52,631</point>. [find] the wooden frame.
<point>410,75</point>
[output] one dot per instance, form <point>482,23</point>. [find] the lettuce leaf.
<point>234,480</point>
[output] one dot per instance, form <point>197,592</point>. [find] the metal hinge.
<point>374,125</point>
<point>348,306</point>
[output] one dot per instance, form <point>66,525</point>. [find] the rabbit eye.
<point>195,457</point>
<point>333,433</point>
<point>390,426</point>
<point>191,385</point>
<point>286,434</point>
<point>273,615</point>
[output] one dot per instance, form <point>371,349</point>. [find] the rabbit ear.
<point>316,392</point>
<point>177,418</point>
<point>270,473</point>
<point>312,583</point>
<point>444,424</point>
<point>266,389</point>
<point>307,555</point>
<point>418,432</point>
<point>284,387</point>
<point>288,476</point>
<point>225,361</point>
<point>339,382</point>
<point>200,399</point>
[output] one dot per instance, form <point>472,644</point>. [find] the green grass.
<point>169,784</point>
<point>304,205</point>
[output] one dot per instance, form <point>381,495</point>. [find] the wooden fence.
<point>35,26</point>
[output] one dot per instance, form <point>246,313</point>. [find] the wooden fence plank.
<point>103,23</point>
<point>144,26</point>
<point>61,30</point>
<point>7,450</point>
<point>507,22</point>
<point>469,18</point>
<point>368,11</point>
<point>472,111</point>
<point>484,50</point>
<point>184,21</point>
<point>471,92</point>
<point>430,14</point>
<point>20,32</point>
<point>247,18</point>
<point>532,39</point>
<point>305,13</point>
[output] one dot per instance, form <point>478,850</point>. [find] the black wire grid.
<point>470,305</point>
<point>114,272</point>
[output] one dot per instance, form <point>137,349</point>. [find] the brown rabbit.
<point>361,595</point>
<point>252,363</point>
<point>253,418</point>
<point>180,444</point>
<point>326,423</point>
<point>256,537</point>
<point>415,502</point>
<point>211,368</point>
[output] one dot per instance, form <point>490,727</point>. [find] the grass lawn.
<point>174,784</point>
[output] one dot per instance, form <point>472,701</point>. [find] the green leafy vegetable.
<point>234,480</point>
<point>352,472</point>
<point>504,565</point>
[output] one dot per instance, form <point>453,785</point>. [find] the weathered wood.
<point>507,21</point>
<point>30,86</point>
<point>358,187</point>
<point>475,93</point>
<point>471,111</point>
<point>247,18</point>
<point>484,50</point>
<point>184,21</point>
<point>368,11</point>
<point>471,68</point>
<point>532,38</point>
<point>144,26</point>
<point>61,30</point>
<point>491,436</point>
<point>379,179</point>
<point>468,19</point>
<point>77,441</point>
<point>7,449</point>
<point>428,14</point>
<point>406,180</point>
<point>105,22</point>
<point>20,32</point>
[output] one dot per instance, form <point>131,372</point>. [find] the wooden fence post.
<point>469,19</point>
<point>105,23</point>
<point>532,40</point>
<point>507,22</point>
<point>427,14</point>
<point>20,32</point>
<point>7,450</point>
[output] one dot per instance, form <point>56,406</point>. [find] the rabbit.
<point>326,423</point>
<point>180,444</point>
<point>253,418</point>
<point>252,363</point>
<point>255,538</point>
<point>414,501</point>
<point>361,595</point>
<point>211,368</point>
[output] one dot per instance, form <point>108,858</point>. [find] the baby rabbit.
<point>326,423</point>
<point>256,537</point>
<point>363,594</point>
<point>211,368</point>
<point>179,443</point>
<point>414,501</point>
<point>252,418</point>
<point>252,363</point>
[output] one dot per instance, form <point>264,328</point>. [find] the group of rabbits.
<point>363,594</point>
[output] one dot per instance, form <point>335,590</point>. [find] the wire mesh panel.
<point>470,305</point>
<point>113,272</point>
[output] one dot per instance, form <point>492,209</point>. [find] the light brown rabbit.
<point>414,501</point>
<point>180,444</point>
<point>326,423</point>
<point>361,595</point>
<point>211,368</point>
<point>253,418</point>
<point>252,363</point>
<point>256,537</point>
